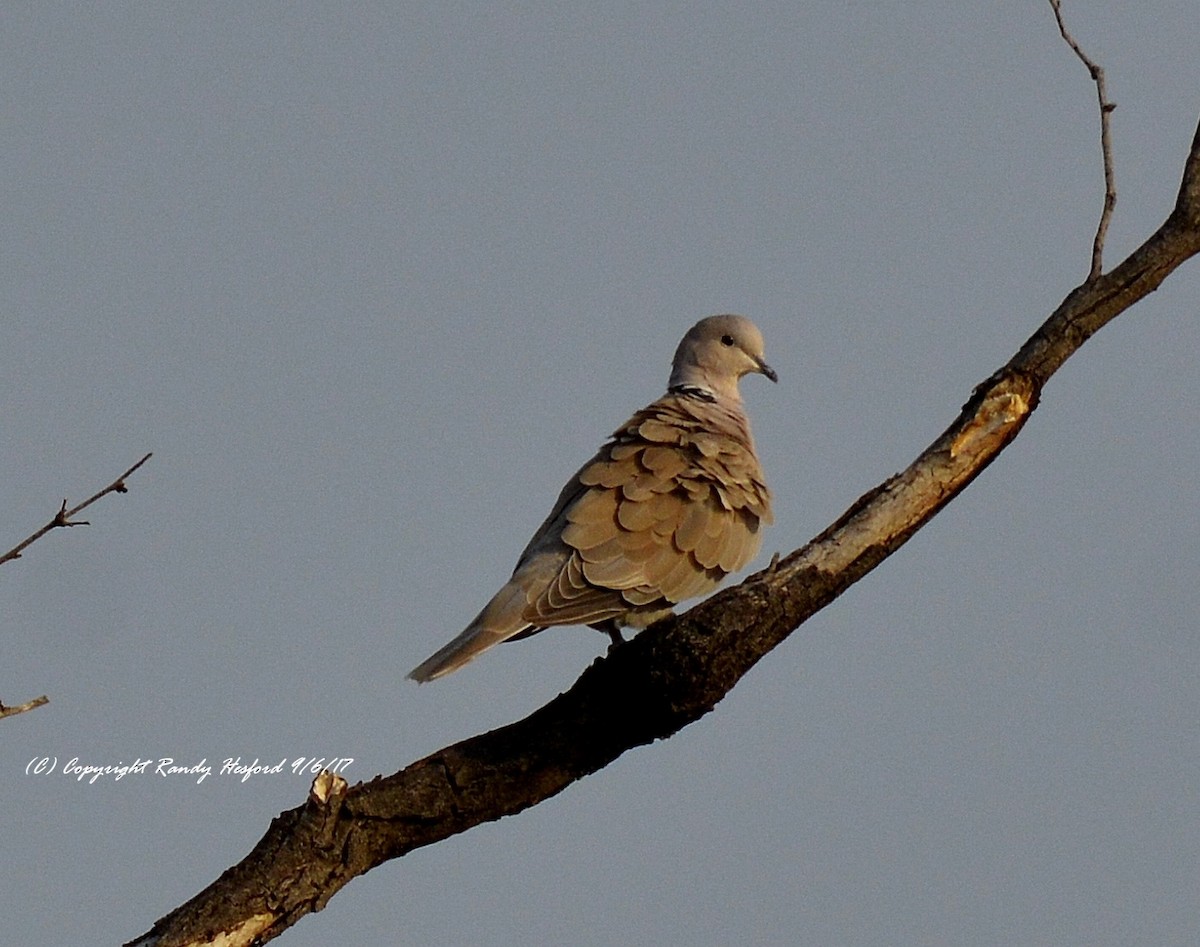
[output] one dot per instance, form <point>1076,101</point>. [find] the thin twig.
<point>63,516</point>
<point>1106,110</point>
<point>21,708</point>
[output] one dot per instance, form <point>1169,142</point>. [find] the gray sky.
<point>372,281</point>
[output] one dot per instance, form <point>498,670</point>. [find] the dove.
<point>673,502</point>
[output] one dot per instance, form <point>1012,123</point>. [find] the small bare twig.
<point>1106,110</point>
<point>63,516</point>
<point>21,708</point>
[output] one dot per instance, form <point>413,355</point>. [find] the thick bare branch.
<point>63,516</point>
<point>1106,110</point>
<point>672,673</point>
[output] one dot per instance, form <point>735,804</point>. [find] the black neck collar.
<point>693,391</point>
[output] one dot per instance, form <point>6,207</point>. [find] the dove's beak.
<point>767,370</point>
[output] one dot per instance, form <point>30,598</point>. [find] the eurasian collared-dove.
<point>667,508</point>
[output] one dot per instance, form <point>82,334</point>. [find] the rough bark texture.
<point>671,674</point>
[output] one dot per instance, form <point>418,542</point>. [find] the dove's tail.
<point>500,620</point>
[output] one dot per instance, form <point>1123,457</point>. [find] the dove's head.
<point>716,352</point>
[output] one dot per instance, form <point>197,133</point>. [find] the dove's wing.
<point>667,508</point>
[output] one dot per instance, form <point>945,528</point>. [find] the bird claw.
<point>613,630</point>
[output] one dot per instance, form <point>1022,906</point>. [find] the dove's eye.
<point>727,340</point>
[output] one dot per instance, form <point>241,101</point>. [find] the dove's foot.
<point>613,630</point>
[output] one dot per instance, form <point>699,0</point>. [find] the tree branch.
<point>673,672</point>
<point>677,670</point>
<point>6,711</point>
<point>1106,110</point>
<point>63,516</point>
